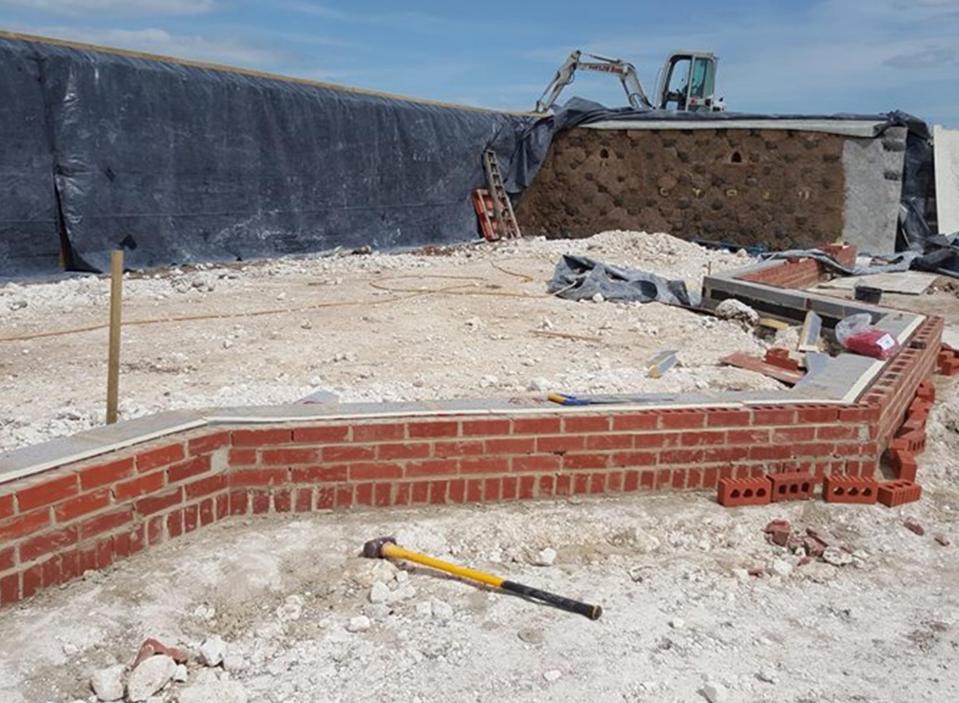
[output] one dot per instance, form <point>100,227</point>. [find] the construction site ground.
<point>462,322</point>
<point>698,605</point>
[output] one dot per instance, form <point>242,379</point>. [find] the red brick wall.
<point>802,272</point>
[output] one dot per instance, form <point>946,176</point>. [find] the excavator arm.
<point>626,73</point>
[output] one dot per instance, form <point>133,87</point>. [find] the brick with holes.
<point>911,441</point>
<point>838,488</point>
<point>895,493</point>
<point>792,485</point>
<point>743,491</point>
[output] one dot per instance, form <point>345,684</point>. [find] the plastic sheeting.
<point>180,163</point>
<point>581,278</point>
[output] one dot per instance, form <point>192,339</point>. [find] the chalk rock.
<point>402,593</point>
<point>440,609</point>
<point>545,557</point>
<point>553,674</point>
<point>181,674</point>
<point>360,623</point>
<point>107,683</point>
<point>219,692</point>
<point>732,309</point>
<point>212,651</point>
<point>234,663</point>
<point>537,384</point>
<point>714,692</point>
<point>150,676</point>
<point>836,556</point>
<point>379,593</point>
<point>292,608</point>
<point>781,567</point>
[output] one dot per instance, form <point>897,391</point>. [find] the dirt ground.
<point>470,321</point>
<point>683,620</point>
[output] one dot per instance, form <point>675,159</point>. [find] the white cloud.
<point>160,41</point>
<point>127,7</point>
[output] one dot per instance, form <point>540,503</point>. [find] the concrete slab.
<point>946,158</point>
<point>905,282</point>
<point>873,186</point>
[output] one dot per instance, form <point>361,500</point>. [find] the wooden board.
<point>741,360</point>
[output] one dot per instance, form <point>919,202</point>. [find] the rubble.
<point>836,556</point>
<point>151,675</point>
<point>107,683</point>
<point>913,525</point>
<point>212,651</point>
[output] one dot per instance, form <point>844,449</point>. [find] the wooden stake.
<point>113,359</point>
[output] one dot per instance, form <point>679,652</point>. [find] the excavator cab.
<point>687,83</point>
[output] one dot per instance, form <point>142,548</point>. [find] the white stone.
<point>152,674</point>
<point>836,556</point>
<point>379,593</point>
<point>219,692</point>
<point>715,692</point>
<point>212,651</point>
<point>537,384</point>
<point>553,674</point>
<point>781,567</point>
<point>107,683</point>
<point>441,610</point>
<point>360,623</point>
<point>677,623</point>
<point>766,676</point>
<point>402,576</point>
<point>732,309</point>
<point>292,608</point>
<point>545,557</point>
<point>181,674</point>
<point>402,593</point>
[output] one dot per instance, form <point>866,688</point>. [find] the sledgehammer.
<point>387,548</point>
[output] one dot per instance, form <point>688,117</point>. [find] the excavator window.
<point>677,83</point>
<point>704,78</point>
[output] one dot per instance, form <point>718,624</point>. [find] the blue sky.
<point>811,57</point>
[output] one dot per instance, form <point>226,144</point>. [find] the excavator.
<point>687,82</point>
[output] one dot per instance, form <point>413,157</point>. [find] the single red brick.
<point>537,425</point>
<point>814,414</point>
<point>207,513</point>
<point>725,454</point>
<point>904,464</point>
<point>23,525</point>
<point>259,477</point>
<point>682,419</point>
<point>470,465</point>
<point>838,488</point>
<point>696,439</point>
<point>261,438</point>
<point>155,529</point>
<point>364,494</point>
<point>47,492</point>
<point>32,580</point>
<point>9,589</point>
<point>895,493</point>
<point>379,433</point>
<point>794,485</point>
<point>208,443</point>
<point>817,449</point>
<point>537,463</point>
<point>344,496</point>
<point>191,513</point>
<point>242,457</point>
<point>653,440</point>
<point>130,542</point>
<point>681,456</point>
<point>282,501</point>
<point>451,449</point>
<point>239,502</point>
<point>303,500</point>
<point>347,452</point>
<point>154,504</point>
<point>434,429</point>
<point>432,467</point>
<point>485,427</point>
<point>457,491</point>
<point>527,487</point>
<point>793,434</point>
<point>105,522</point>
<point>546,485</point>
<point>474,491</point>
<point>320,474</point>
<point>96,476</point>
<point>727,418</point>
<point>206,486</point>
<point>561,443</point>
<point>403,450</point>
<point>69,565</point>
<point>149,483</point>
<point>382,494</point>
<point>320,435</point>
<point>636,421</point>
<point>859,413</point>
<point>375,471</point>
<point>287,456</point>
<point>585,461</point>
<point>634,459</point>
<point>609,441</point>
<point>510,445</point>
<point>161,456</point>
<point>744,491</point>
<point>6,506</point>
<point>770,452</point>
<point>82,504</point>
<point>509,485</point>
<point>587,423</point>
<point>7,558</point>
<point>47,542</point>
<point>325,498</point>
<point>187,469</point>
<point>710,477</point>
<point>773,415</point>
<point>748,436</point>
<point>839,432</point>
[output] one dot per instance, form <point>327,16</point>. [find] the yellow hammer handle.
<point>393,551</point>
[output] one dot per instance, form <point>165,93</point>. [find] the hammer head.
<point>374,548</point>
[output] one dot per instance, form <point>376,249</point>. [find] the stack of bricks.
<point>802,272</point>
<point>948,361</point>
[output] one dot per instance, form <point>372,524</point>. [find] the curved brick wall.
<point>83,515</point>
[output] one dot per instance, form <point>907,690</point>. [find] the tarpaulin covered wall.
<point>176,162</point>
